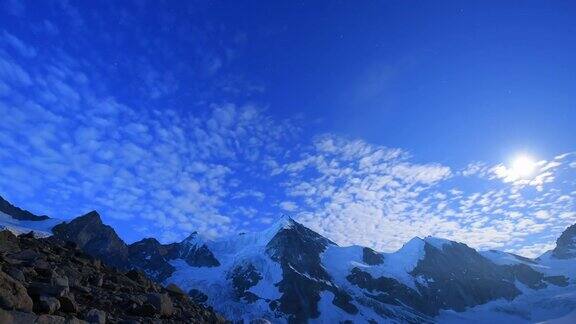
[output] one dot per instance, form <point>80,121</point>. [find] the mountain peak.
<point>284,222</point>
<point>90,217</point>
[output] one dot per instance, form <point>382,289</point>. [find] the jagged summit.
<point>194,239</point>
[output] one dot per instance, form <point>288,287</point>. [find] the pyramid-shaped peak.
<point>284,222</point>
<point>194,239</point>
<point>91,217</point>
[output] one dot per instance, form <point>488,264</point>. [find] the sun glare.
<point>523,166</point>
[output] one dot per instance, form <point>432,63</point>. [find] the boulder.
<point>96,316</point>
<point>58,280</point>
<point>44,289</point>
<point>197,296</point>
<point>162,303</point>
<point>137,276</point>
<point>51,319</point>
<point>47,305</point>
<point>27,255</point>
<point>147,310</point>
<point>8,242</point>
<point>174,289</point>
<point>15,273</point>
<point>68,304</point>
<point>13,294</point>
<point>16,317</point>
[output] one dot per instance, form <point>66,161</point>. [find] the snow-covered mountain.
<point>289,273</point>
<point>21,221</point>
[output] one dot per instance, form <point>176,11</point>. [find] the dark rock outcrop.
<point>566,244</point>
<point>372,257</point>
<point>243,278</point>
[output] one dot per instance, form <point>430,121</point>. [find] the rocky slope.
<point>49,281</point>
<point>289,273</point>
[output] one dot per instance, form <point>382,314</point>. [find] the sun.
<point>523,166</point>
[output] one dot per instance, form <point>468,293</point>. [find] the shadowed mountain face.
<point>289,273</point>
<point>95,238</point>
<point>196,253</point>
<point>297,249</point>
<point>17,213</point>
<point>457,277</point>
<point>566,244</point>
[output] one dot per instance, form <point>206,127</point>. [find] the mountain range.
<point>289,273</point>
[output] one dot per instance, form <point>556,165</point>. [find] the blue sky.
<point>371,122</point>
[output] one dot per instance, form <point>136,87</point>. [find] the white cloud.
<point>288,206</point>
<point>542,214</point>
<point>18,45</point>
<point>220,167</point>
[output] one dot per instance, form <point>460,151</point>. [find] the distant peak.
<point>194,239</point>
<point>146,241</point>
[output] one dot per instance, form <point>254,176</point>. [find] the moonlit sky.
<point>369,121</point>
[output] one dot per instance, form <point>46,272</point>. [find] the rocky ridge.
<point>48,280</point>
<point>289,273</point>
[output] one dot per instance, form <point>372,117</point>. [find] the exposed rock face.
<point>447,271</point>
<point>152,257</point>
<point>566,244</point>
<point>18,213</point>
<point>297,249</point>
<point>94,238</point>
<point>58,283</point>
<point>371,257</point>
<point>196,253</point>
<point>244,277</point>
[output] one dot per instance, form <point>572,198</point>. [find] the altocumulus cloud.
<point>69,145</point>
